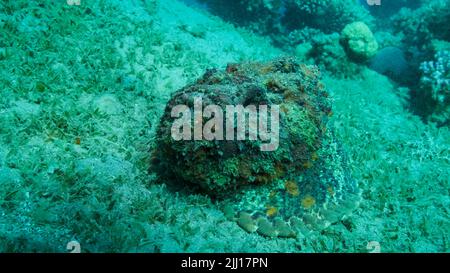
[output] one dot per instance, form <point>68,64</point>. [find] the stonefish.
<point>302,185</point>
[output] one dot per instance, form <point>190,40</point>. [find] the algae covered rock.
<point>327,53</point>
<point>286,173</point>
<point>358,41</point>
<point>326,15</point>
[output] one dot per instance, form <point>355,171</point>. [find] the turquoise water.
<point>85,85</point>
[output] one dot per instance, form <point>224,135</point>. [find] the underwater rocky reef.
<point>86,147</point>
<point>416,30</point>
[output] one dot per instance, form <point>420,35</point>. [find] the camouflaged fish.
<point>303,185</point>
